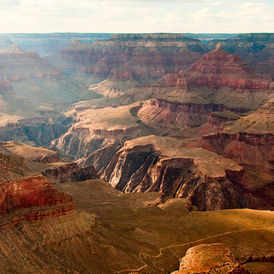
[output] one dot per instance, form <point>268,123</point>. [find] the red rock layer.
<point>17,66</point>
<point>245,148</point>
<point>146,58</point>
<point>217,69</point>
<point>158,112</point>
<point>31,198</point>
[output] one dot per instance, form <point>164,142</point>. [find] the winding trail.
<point>181,245</point>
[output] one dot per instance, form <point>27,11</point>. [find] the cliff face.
<point>39,131</point>
<point>25,194</point>
<point>255,49</point>
<point>152,163</point>
<point>96,128</point>
<point>218,68</point>
<point>18,65</point>
<point>245,148</point>
<point>249,140</point>
<point>146,57</point>
<point>31,198</point>
<point>70,173</point>
<point>165,114</point>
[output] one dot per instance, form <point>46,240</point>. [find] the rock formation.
<point>25,194</point>
<point>209,258</point>
<point>96,128</point>
<point>145,56</point>
<point>217,69</point>
<point>254,48</point>
<point>35,131</point>
<point>249,140</point>
<point>69,173</point>
<point>18,65</point>
<point>162,164</point>
<point>31,198</point>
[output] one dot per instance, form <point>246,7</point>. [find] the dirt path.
<point>181,245</point>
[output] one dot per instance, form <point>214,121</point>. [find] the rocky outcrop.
<point>18,65</point>
<point>251,47</point>
<point>38,131</point>
<point>217,69</point>
<point>29,153</point>
<point>249,140</point>
<point>31,198</point>
<point>145,56</point>
<point>97,128</point>
<point>152,163</point>
<point>210,258</point>
<point>164,114</point>
<point>245,148</point>
<point>116,84</point>
<point>101,157</point>
<point>70,173</point>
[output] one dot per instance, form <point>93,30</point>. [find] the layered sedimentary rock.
<point>218,68</point>
<point>209,258</point>
<point>24,194</point>
<point>29,153</point>
<point>162,164</point>
<point>70,173</point>
<point>249,140</point>
<point>145,56</point>
<point>164,114</point>
<point>18,65</point>
<point>96,128</point>
<point>31,198</point>
<point>117,83</point>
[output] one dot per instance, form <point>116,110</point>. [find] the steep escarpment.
<point>97,128</point>
<point>160,113</point>
<point>145,56</point>
<point>117,83</point>
<point>218,68</point>
<point>217,78</point>
<point>18,65</point>
<point>38,131</point>
<point>69,173</point>
<point>249,140</point>
<point>24,194</point>
<point>162,164</point>
<point>31,198</point>
<point>254,48</point>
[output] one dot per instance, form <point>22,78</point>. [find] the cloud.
<point>136,16</point>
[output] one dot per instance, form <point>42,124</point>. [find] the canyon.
<point>136,153</point>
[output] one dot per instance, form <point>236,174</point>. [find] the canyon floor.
<point>112,232</point>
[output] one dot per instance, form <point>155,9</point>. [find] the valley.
<point>133,153</point>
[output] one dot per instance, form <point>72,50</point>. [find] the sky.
<point>133,16</point>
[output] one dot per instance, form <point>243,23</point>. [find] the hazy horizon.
<point>136,16</point>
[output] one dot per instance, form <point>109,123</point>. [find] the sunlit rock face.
<point>209,258</point>
<point>151,163</point>
<point>32,198</point>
